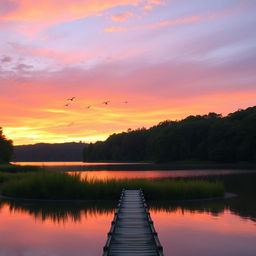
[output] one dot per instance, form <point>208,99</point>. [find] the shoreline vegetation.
<point>6,148</point>
<point>43,152</point>
<point>210,137</point>
<point>13,168</point>
<point>51,185</point>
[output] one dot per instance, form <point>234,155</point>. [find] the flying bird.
<point>66,105</point>
<point>125,102</point>
<point>89,106</point>
<point>106,102</point>
<point>71,99</point>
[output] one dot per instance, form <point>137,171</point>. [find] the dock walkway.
<point>132,231</point>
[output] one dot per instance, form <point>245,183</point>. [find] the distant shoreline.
<point>226,196</point>
<point>183,165</point>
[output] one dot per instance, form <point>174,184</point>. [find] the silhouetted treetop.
<point>210,137</point>
<point>6,148</point>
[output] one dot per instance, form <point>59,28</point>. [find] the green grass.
<point>59,185</point>
<point>18,168</point>
<point>5,177</point>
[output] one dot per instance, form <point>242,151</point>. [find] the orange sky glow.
<point>152,60</point>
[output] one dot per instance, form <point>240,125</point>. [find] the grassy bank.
<point>57,185</point>
<point>18,168</point>
<point>4,176</point>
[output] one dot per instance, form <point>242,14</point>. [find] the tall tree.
<point>210,137</point>
<point>6,148</point>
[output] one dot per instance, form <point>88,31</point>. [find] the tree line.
<point>69,151</point>
<point>210,137</point>
<point>6,148</point>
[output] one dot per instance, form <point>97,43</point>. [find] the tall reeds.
<point>59,185</point>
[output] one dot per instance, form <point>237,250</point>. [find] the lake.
<point>217,227</point>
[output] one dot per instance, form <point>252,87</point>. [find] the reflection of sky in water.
<point>71,163</point>
<point>22,234</point>
<point>181,231</point>
<point>223,227</point>
<point>103,175</point>
<point>200,233</point>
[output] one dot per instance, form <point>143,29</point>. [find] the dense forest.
<point>49,152</point>
<point>210,137</point>
<point>6,148</point>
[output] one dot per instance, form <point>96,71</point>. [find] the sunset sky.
<point>167,59</point>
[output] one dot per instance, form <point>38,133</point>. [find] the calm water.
<point>222,227</point>
<point>71,164</point>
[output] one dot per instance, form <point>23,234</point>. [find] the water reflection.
<point>213,208</point>
<point>183,232</point>
<point>59,212</point>
<point>73,164</point>
<point>218,227</point>
<point>41,230</point>
<point>150,174</point>
<point>198,228</point>
<point>81,166</point>
<point>63,212</point>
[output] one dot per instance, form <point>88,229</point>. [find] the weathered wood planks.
<point>132,231</point>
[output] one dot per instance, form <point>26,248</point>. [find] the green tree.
<point>6,148</point>
<point>210,137</point>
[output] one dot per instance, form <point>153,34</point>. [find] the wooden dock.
<point>132,232</point>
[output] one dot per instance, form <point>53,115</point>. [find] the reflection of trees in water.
<point>60,212</point>
<point>245,186</point>
<point>243,205</point>
<point>212,207</point>
<point>236,206</point>
<point>242,184</point>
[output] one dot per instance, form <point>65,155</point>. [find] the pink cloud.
<point>154,92</point>
<point>122,17</point>
<point>31,18</point>
<point>178,21</point>
<point>148,7</point>
<point>161,78</point>
<point>114,29</point>
<point>191,19</point>
<point>63,57</point>
<point>184,20</point>
<point>6,59</point>
<point>42,11</point>
<point>156,2</point>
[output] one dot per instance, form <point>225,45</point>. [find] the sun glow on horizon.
<point>24,136</point>
<point>136,55</point>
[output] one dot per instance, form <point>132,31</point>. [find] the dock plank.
<point>132,231</point>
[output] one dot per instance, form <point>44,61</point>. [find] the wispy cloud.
<point>184,20</point>
<point>29,18</point>
<point>62,57</point>
<point>22,67</point>
<point>165,23</point>
<point>180,59</point>
<point>148,7</point>
<point>114,29</point>
<point>156,2</point>
<point>6,59</point>
<point>122,17</point>
<point>64,10</point>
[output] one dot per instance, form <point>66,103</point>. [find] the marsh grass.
<point>59,185</point>
<point>12,168</point>
<point>5,177</point>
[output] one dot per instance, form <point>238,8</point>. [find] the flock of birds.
<point>70,100</point>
